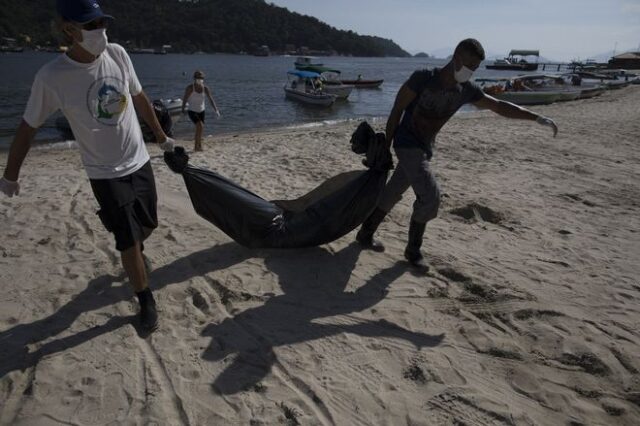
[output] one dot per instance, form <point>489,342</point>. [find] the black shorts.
<point>196,116</point>
<point>128,206</point>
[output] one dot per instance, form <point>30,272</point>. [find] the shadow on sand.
<point>313,282</point>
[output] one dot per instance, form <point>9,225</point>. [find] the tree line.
<point>199,25</point>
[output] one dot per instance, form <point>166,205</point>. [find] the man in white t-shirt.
<point>95,86</point>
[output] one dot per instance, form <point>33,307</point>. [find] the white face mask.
<point>464,74</point>
<point>94,41</point>
<point>199,81</point>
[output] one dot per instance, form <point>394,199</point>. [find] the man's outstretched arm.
<point>509,110</point>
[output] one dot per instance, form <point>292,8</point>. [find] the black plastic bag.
<point>330,211</point>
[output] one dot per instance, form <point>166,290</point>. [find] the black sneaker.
<point>369,243</point>
<point>149,317</point>
<point>148,313</point>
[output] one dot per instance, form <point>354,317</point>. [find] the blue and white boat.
<point>306,86</point>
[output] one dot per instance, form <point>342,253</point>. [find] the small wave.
<point>326,123</point>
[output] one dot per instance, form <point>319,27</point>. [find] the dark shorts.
<point>196,116</point>
<point>128,206</point>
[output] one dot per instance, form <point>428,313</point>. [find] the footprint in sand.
<point>478,213</point>
<point>200,302</point>
<point>589,362</point>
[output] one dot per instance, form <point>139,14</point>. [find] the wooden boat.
<point>363,84</point>
<point>303,88</point>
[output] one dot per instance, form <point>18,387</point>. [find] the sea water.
<point>247,89</point>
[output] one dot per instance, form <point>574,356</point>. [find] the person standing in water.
<point>194,95</point>
<point>423,105</point>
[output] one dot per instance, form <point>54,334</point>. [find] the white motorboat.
<point>515,61</point>
<point>588,88</point>
<point>530,90</point>
<point>331,81</point>
<point>304,88</point>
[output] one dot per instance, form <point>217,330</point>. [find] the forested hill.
<point>200,25</point>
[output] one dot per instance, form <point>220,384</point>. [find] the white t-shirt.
<point>96,99</point>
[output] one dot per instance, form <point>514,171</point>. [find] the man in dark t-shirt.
<point>423,105</point>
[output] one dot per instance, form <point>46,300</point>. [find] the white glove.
<point>9,188</point>
<point>167,145</point>
<point>218,113</point>
<point>545,121</point>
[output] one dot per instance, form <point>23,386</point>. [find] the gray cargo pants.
<point>412,170</point>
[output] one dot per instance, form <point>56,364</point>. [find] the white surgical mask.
<point>94,41</point>
<point>464,74</point>
<point>199,81</point>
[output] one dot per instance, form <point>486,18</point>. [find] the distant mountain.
<point>605,56</point>
<point>202,25</point>
<point>442,53</point>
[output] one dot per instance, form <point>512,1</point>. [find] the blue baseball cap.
<point>80,11</point>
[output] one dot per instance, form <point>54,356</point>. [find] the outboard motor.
<point>162,113</point>
<point>164,118</point>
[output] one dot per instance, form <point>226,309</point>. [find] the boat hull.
<point>363,84</point>
<point>513,67</point>
<point>310,98</point>
<point>528,98</point>
<point>341,91</point>
<point>591,92</point>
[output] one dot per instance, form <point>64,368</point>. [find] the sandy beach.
<point>529,315</point>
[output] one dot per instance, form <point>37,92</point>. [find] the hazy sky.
<point>560,29</point>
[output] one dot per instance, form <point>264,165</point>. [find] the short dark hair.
<point>473,46</point>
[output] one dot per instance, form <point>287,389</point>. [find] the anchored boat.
<point>306,87</point>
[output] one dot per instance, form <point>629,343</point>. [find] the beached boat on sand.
<point>536,89</point>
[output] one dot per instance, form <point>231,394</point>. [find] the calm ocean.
<point>247,89</point>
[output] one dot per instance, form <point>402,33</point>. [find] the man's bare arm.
<point>19,149</point>
<point>509,110</point>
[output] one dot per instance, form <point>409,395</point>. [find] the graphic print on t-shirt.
<point>437,103</point>
<point>106,100</point>
<point>433,110</point>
